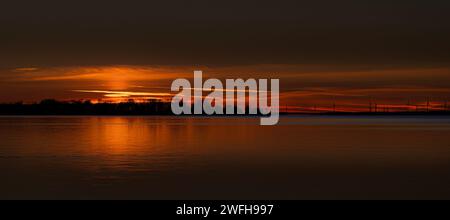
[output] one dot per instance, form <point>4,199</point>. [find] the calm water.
<point>224,158</point>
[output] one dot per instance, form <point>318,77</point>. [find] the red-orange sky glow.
<point>302,88</point>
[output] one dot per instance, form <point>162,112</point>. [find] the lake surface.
<point>303,157</point>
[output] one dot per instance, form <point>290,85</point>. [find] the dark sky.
<point>222,33</point>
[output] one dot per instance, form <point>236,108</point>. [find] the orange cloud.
<point>124,93</point>
<point>22,69</point>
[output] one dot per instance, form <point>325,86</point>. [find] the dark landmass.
<point>399,113</point>
<point>54,107</point>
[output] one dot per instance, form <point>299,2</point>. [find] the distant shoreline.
<point>53,107</point>
<point>253,115</point>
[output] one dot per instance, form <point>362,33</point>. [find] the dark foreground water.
<point>224,158</point>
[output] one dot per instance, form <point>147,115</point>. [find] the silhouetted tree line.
<point>54,107</point>
<point>152,107</point>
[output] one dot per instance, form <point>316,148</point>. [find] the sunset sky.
<point>349,53</point>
